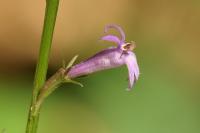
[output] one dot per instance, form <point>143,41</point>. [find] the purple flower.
<point>110,58</point>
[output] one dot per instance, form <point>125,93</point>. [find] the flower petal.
<point>118,28</point>
<point>111,38</point>
<point>106,59</point>
<point>133,68</point>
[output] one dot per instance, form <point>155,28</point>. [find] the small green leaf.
<point>72,62</point>
<point>67,80</point>
<point>76,82</point>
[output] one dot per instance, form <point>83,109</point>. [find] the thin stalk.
<point>50,85</point>
<point>42,65</point>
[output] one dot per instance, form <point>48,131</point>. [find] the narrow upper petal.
<point>133,68</point>
<point>111,38</point>
<point>118,28</point>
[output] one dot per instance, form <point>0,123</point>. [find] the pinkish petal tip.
<point>133,69</point>
<point>118,28</point>
<point>111,38</point>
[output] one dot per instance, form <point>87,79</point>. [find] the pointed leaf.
<point>72,62</point>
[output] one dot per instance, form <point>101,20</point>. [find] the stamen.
<point>128,46</point>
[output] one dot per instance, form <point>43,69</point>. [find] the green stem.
<point>42,65</point>
<point>50,85</point>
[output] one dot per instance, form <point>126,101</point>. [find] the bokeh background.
<point>164,100</point>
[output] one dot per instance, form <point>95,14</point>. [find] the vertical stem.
<point>42,65</point>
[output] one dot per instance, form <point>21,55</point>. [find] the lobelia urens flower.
<point>110,58</point>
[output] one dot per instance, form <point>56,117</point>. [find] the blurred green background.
<point>165,98</point>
